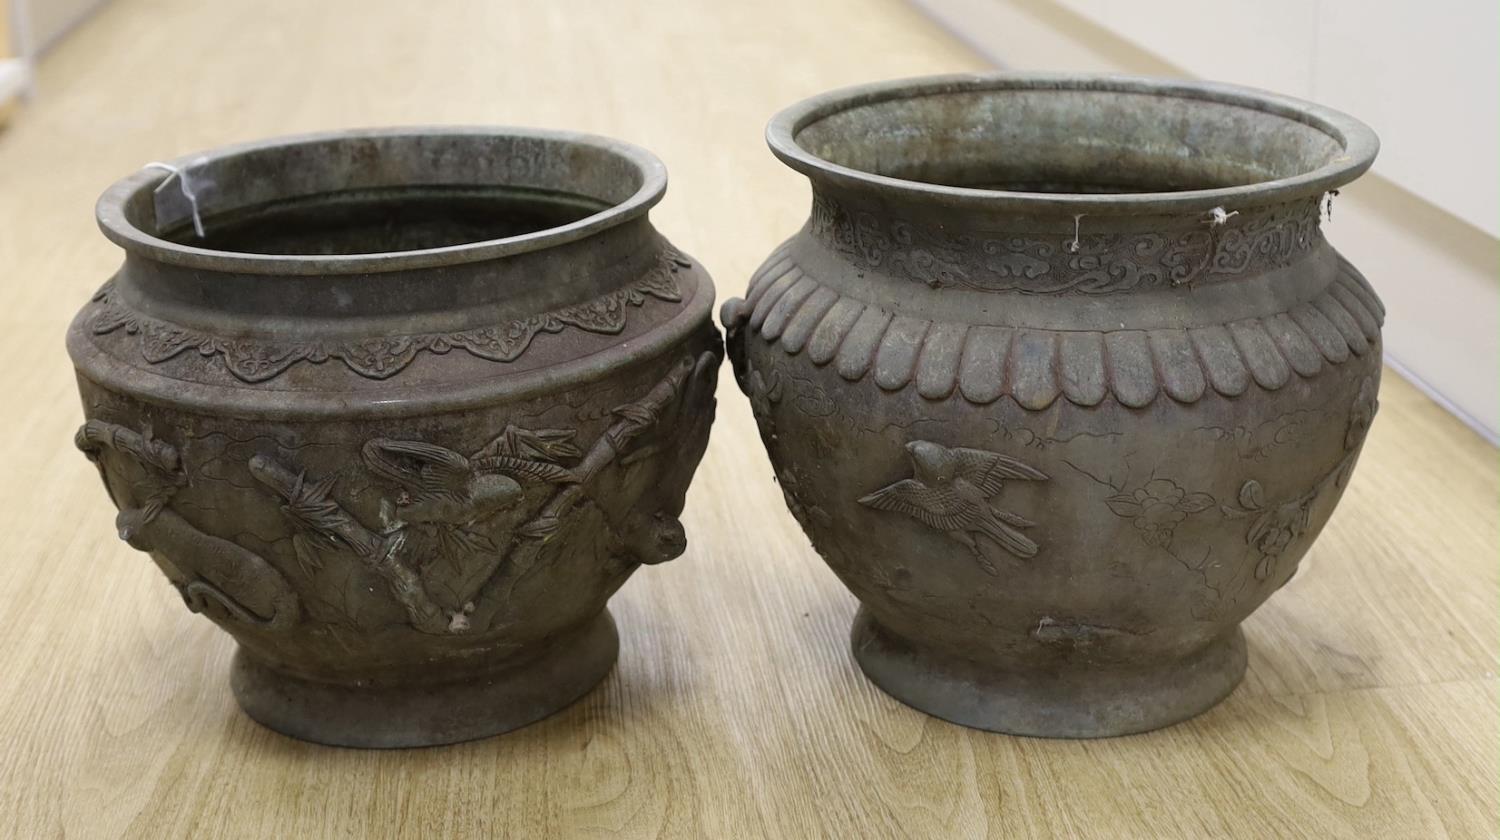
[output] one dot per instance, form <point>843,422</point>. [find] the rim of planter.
<point>114,221</point>
<point>1358,142</point>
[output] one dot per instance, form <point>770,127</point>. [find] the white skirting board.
<point>49,21</point>
<point>13,79</point>
<point>1435,271</point>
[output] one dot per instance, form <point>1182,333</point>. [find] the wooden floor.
<point>1370,710</point>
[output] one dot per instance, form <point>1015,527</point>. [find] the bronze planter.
<point>1062,379</point>
<point>405,417</point>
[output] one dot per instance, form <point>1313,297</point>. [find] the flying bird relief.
<point>952,490</point>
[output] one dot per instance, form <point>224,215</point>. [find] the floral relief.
<point>1157,507</point>
<point>1277,527</point>
<point>1361,414</point>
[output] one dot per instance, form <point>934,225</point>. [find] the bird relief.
<point>449,521</point>
<point>953,489</point>
<point>443,500</point>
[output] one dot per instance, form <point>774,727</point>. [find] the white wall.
<point>1425,75</point>
<point>30,28</point>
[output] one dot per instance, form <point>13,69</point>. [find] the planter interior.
<point>408,218</point>
<point>1068,141</point>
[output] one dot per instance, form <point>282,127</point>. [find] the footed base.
<point>1083,702</point>
<point>428,715</point>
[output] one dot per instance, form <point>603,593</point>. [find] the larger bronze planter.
<point>1062,379</point>
<point>404,418</point>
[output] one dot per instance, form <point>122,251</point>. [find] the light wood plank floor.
<point>1370,710</point>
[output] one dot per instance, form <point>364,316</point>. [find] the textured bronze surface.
<point>1062,379</point>
<point>405,417</point>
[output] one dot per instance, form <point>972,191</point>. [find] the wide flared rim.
<point>1357,141</point>
<point>115,223</point>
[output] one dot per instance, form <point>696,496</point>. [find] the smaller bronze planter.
<point>1062,379</point>
<point>416,406</point>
